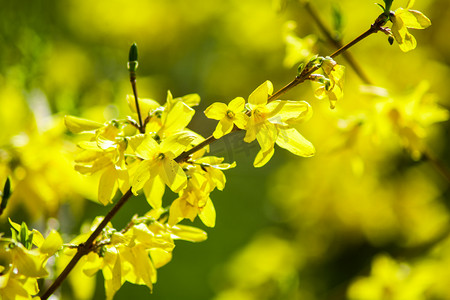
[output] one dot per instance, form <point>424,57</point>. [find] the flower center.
<point>230,114</point>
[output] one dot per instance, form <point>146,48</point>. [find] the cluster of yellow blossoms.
<point>131,158</point>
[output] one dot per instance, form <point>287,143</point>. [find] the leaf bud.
<point>133,58</point>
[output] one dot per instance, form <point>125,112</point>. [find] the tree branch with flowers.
<point>154,149</point>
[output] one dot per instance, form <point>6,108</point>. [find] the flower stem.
<point>437,165</point>
<point>133,86</point>
<point>86,247</point>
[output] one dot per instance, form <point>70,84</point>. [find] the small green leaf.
<point>5,195</point>
<point>29,241</point>
<point>388,4</point>
<point>23,234</point>
<point>381,6</point>
<point>300,69</point>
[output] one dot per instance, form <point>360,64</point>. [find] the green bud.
<point>391,39</point>
<point>133,58</point>
<point>133,55</point>
<point>388,4</point>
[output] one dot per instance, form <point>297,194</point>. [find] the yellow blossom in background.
<point>297,49</point>
<point>332,88</point>
<point>228,115</point>
<point>404,18</point>
<point>389,279</point>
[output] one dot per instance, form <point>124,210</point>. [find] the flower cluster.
<point>132,254</point>
<point>404,18</point>
<point>268,121</point>
<point>23,259</point>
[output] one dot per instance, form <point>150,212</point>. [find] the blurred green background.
<point>309,226</point>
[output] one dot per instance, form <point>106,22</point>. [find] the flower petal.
<point>154,191</point>
<point>291,140</point>
<point>172,175</point>
<point>177,118</point>
<point>177,143</point>
<point>208,214</point>
<point>52,243</point>
<point>188,233</point>
<point>216,111</point>
<point>240,120</point>
<point>77,125</point>
<point>263,157</point>
<point>108,185</point>
<point>147,148</point>
<point>237,104</point>
<point>409,42</point>
<point>415,19</point>
<point>267,136</point>
<point>224,127</point>
<point>260,95</point>
<point>141,176</point>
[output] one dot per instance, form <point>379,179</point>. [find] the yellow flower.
<point>106,153</point>
<point>333,89</point>
<point>159,165</point>
<point>174,116</point>
<point>230,114</point>
<point>297,49</point>
<point>275,122</point>
<point>404,18</point>
<point>192,202</point>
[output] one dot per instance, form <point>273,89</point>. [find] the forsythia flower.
<point>333,89</point>
<point>133,254</point>
<point>389,279</point>
<point>229,115</point>
<point>158,166</point>
<point>204,176</point>
<point>275,122</point>
<point>404,18</point>
<point>105,152</point>
<point>172,117</point>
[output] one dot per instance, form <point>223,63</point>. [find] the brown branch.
<point>86,247</point>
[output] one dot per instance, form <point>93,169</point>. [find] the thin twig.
<point>133,86</point>
<point>437,165</point>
